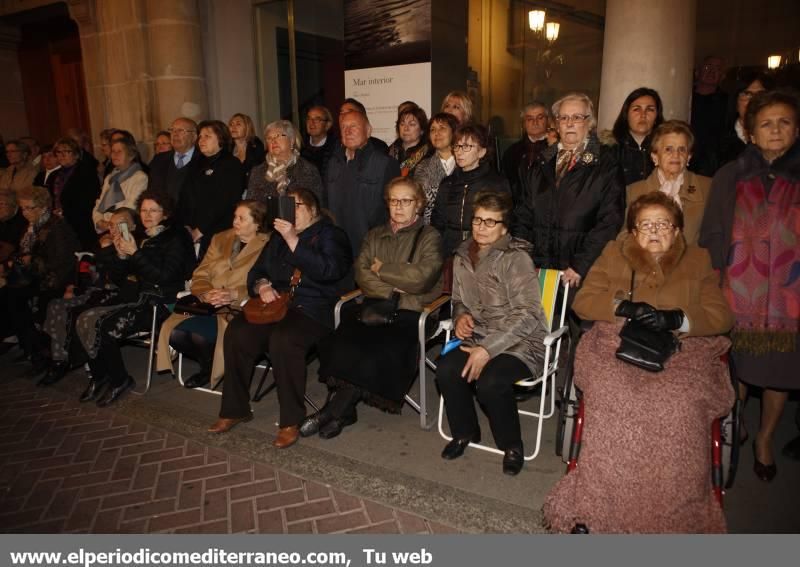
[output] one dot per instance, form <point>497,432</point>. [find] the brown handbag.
<point>259,313</point>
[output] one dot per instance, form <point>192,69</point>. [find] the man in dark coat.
<point>168,170</point>
<point>709,114</point>
<point>574,196</point>
<point>354,180</point>
<point>320,141</point>
<point>520,155</point>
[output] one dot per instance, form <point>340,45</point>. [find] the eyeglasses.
<point>30,208</point>
<point>150,211</point>
<point>276,137</point>
<point>316,119</point>
<point>490,223</point>
<point>180,131</point>
<point>574,118</point>
<point>401,202</point>
<point>464,147</point>
<point>660,226</point>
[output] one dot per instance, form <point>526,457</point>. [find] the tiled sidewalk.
<point>71,468</point>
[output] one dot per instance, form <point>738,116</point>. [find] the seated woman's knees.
<point>492,386</point>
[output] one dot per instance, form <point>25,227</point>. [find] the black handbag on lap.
<point>191,305</point>
<point>377,312</point>
<point>644,347</point>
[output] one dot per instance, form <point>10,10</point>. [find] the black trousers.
<point>494,389</point>
<point>22,318</point>
<point>287,342</point>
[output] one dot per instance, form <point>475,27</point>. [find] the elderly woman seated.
<point>498,315</point>
<point>399,261</point>
<point>122,186</point>
<point>283,169</point>
<point>220,284</point>
<point>309,260</point>
<point>40,269</point>
<point>153,270</point>
<point>645,460</point>
<point>670,149</point>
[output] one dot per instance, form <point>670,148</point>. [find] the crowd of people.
<point>623,215</point>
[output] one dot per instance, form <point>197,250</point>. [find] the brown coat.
<point>683,279</point>
<point>419,279</point>
<point>19,179</point>
<point>216,271</point>
<point>693,194</point>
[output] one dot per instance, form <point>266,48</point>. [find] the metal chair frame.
<point>552,342</point>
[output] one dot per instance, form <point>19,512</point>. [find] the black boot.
<point>55,373</point>
<point>93,390</point>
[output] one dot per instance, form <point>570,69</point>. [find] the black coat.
<point>53,255</point>
<point>319,156</point>
<point>569,225</point>
<point>254,155</point>
<point>210,193</point>
<point>166,178</point>
<point>161,265</point>
<point>353,191</point>
<point>517,159</point>
<point>78,197</point>
<point>452,213</point>
<point>11,231</point>
<point>324,259</point>
<point>635,161</point>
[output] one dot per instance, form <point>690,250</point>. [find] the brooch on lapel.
<point>209,172</point>
<point>587,157</point>
<point>691,189</point>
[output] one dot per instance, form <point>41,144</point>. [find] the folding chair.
<point>424,338</point>
<point>555,311</point>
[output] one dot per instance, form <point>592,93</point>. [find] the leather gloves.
<point>633,309</point>
<point>662,319</point>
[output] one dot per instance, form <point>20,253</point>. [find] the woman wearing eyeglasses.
<point>670,150</point>
<point>377,364</point>
<point>498,315</point>
<point>284,168</point>
<point>573,198</point>
<point>452,212</point>
<point>645,459</point>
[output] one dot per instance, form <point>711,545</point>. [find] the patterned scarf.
<point>277,171</point>
<point>567,159</point>
<point>31,235</point>
<point>671,188</point>
<point>114,194</point>
<point>762,281</point>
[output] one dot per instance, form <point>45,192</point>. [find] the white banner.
<point>381,89</point>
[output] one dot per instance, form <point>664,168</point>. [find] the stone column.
<point>648,44</point>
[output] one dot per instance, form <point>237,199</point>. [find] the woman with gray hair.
<point>573,197</point>
<point>122,186</point>
<point>283,169</point>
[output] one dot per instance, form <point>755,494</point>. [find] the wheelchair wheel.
<point>567,406</point>
<point>730,445</point>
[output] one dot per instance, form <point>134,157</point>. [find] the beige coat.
<point>23,177</point>
<point>693,194</point>
<point>420,280</point>
<point>132,187</point>
<point>214,272</point>
<point>683,279</point>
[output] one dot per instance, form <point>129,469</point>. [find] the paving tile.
<point>253,489</point>
<point>174,520</point>
<point>167,485</point>
<point>215,505</point>
<point>342,522</point>
<point>280,499</point>
<point>310,510</point>
<point>161,455</point>
<point>86,479</point>
<point>288,481</point>
<point>145,476</point>
<point>389,527</point>
<point>411,524</point>
<point>20,518</point>
<point>206,471</point>
<point>217,527</point>
<point>315,490</point>
<point>438,528</point>
<point>190,495</point>
<point>378,512</point>
<point>127,499</point>
<point>87,451</point>
<point>229,480</point>
<point>43,493</point>
<point>263,472</point>
<point>106,522</point>
<point>133,527</point>
<point>106,489</point>
<point>125,467</point>
<point>106,460</point>
<point>184,463</point>
<point>148,509</point>
<point>144,447</point>
<point>345,502</point>
<point>270,522</point>
<point>82,515</point>
<point>305,527</point>
<point>242,516</point>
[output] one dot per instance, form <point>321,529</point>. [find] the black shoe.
<point>513,461</point>
<point>580,529</point>
<point>456,447</point>
<point>765,473</point>
<point>55,373</point>
<point>792,449</point>
<point>335,426</point>
<point>314,422</point>
<point>112,394</point>
<point>198,380</point>
<point>93,390</point>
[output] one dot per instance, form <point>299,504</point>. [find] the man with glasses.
<point>709,112</point>
<point>320,141</point>
<point>354,180</point>
<point>573,197</point>
<point>519,157</point>
<point>169,170</point>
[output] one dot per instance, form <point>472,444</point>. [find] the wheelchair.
<point>724,432</point>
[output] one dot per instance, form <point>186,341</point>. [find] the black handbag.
<point>644,347</point>
<point>376,312</point>
<point>191,305</point>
